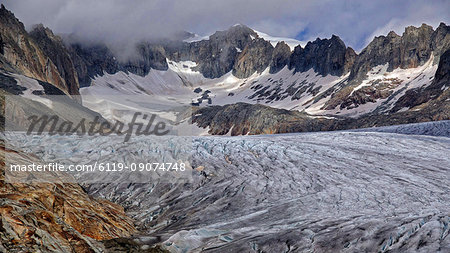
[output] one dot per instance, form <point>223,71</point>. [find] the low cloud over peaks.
<point>122,22</point>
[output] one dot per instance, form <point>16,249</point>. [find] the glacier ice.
<point>355,191</point>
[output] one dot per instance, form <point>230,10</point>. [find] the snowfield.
<point>310,192</point>
<point>308,91</point>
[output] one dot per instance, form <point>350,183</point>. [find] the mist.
<point>122,22</point>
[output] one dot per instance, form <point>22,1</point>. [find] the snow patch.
<point>292,43</point>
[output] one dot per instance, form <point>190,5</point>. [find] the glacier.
<point>345,191</point>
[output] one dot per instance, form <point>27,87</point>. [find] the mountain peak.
<point>240,27</point>
<point>335,37</point>
<point>425,26</point>
<point>442,24</point>
<point>392,34</point>
<point>8,19</point>
<point>235,33</point>
<point>325,56</point>
<point>41,28</point>
<point>40,31</point>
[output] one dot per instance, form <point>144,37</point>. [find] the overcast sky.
<point>356,22</point>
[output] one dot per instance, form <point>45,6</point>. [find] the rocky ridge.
<point>39,55</point>
<point>243,119</point>
<point>325,56</point>
<point>414,48</point>
<point>238,49</point>
<point>430,103</point>
<point>418,96</point>
<point>280,57</point>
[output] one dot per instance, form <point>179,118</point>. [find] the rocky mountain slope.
<point>239,49</point>
<point>393,74</point>
<point>438,87</point>
<point>38,54</point>
<point>37,66</point>
<point>243,119</point>
<point>413,49</point>
<point>54,217</point>
<point>428,103</point>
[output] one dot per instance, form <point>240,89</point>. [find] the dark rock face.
<point>325,56</point>
<point>53,47</point>
<point>280,57</point>
<point>43,59</point>
<point>255,57</point>
<point>214,59</point>
<point>410,50</point>
<point>238,36</point>
<point>148,57</point>
<point>2,46</point>
<point>416,46</point>
<point>92,60</point>
<point>443,72</point>
<point>95,59</point>
<point>440,40</point>
<point>350,56</point>
<point>216,56</point>
<point>9,84</point>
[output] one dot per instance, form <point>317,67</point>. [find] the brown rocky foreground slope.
<point>55,217</point>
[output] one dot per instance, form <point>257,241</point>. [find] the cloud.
<point>431,13</point>
<point>122,21</point>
